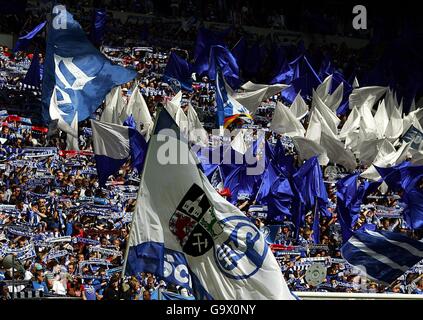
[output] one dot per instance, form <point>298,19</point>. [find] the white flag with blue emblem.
<point>226,256</point>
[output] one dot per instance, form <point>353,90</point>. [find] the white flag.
<point>298,107</point>
<point>139,110</point>
<point>381,119</point>
<point>178,209</point>
<point>334,100</point>
<point>366,96</point>
<point>284,122</point>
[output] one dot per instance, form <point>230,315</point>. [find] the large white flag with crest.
<point>178,210</point>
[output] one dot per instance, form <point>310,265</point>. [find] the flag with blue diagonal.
<point>382,255</point>
<point>76,76</point>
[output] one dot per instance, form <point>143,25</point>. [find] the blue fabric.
<point>413,212</point>
<point>238,51</point>
<point>275,192</point>
<point>130,122</point>
<point>224,105</point>
<point>98,26</point>
<point>173,296</point>
<point>33,75</point>
<point>316,225</point>
<point>392,175</point>
<point>145,257</point>
<point>285,74</point>
<point>346,194</point>
<point>40,286</point>
<point>25,40</point>
<point>272,232</point>
<point>387,249</point>
<point>239,182</point>
<point>176,267</point>
<point>309,180</point>
<point>137,149</point>
<point>179,69</point>
<point>205,40</point>
<point>222,59</point>
<point>71,42</point>
<point>106,167</point>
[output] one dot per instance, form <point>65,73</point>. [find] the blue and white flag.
<point>114,145</point>
<point>382,255</point>
<point>178,209</point>
<point>227,107</point>
<point>76,75</point>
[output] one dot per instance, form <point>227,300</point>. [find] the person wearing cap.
<point>38,282</point>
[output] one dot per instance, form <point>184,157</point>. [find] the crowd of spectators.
<point>69,235</point>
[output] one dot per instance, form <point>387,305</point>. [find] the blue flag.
<point>76,76</point>
<point>98,26</point>
<point>25,40</point>
<point>205,40</point>
<point>304,79</point>
<point>392,175</point>
<point>346,193</point>
<point>382,255</point>
<point>309,180</point>
<point>226,106</point>
<point>33,75</point>
<point>316,224</point>
<point>222,59</point>
<point>275,192</point>
<point>179,69</point>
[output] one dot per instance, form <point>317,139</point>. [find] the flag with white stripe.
<point>382,255</point>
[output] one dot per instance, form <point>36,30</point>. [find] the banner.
<point>415,136</point>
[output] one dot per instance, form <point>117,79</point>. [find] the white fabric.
<point>368,150</point>
<point>308,148</point>
<point>139,110</point>
<point>323,89</point>
<point>334,100</point>
<point>381,119</point>
<point>386,157</point>
<point>173,105</point>
<point>367,123</point>
<point>251,100</point>
<point>337,153</point>
<point>352,123</point>
<point>111,140</point>
<point>71,141</point>
<point>114,106</point>
<point>181,120</point>
<point>391,102</point>
<point>284,122</point>
<point>197,133</point>
<point>323,124</point>
<point>328,115</point>
<point>394,128</point>
<point>155,209</point>
<point>355,83</point>
<point>366,96</point>
<point>298,107</point>
<point>271,89</point>
<point>256,93</point>
<point>57,114</point>
<point>108,111</point>
<point>314,128</point>
<point>238,143</point>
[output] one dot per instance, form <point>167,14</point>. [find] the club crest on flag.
<point>242,254</point>
<point>194,223</point>
<point>198,230</point>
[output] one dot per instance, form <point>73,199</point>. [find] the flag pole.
<point>138,195</point>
